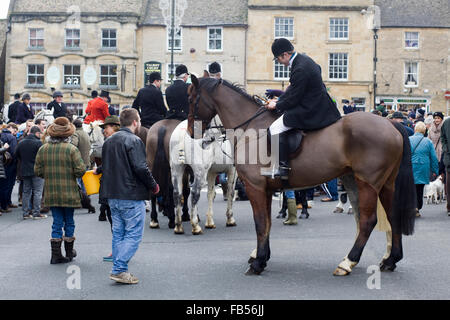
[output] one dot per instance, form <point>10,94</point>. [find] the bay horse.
<point>371,154</point>
<point>157,147</point>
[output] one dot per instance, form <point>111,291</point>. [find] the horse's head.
<point>201,107</point>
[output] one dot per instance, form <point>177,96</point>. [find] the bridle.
<point>257,99</point>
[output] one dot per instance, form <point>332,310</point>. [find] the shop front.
<point>405,103</point>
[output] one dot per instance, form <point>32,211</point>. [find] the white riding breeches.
<point>278,126</point>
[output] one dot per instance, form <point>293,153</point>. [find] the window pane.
<point>112,43</point>
<point>76,70</point>
<point>103,70</point>
<point>40,69</point>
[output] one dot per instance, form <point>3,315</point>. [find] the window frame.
<point>36,75</point>
<point>283,36</point>
<point>109,76</point>
<point>73,39</point>
<point>175,65</point>
<point>175,49</point>
<point>338,31</point>
<point>208,39</point>
<point>71,75</point>
<point>418,40</point>
<point>36,38</point>
<point>109,39</point>
<point>405,75</point>
<point>346,66</point>
<point>287,70</point>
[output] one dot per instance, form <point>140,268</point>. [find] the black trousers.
<point>419,191</point>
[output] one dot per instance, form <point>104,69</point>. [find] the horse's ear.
<point>205,74</point>
<point>195,81</point>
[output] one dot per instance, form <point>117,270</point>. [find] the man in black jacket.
<point>126,183</point>
<point>12,109</point>
<point>177,96</point>
<point>59,108</point>
<point>150,103</point>
<point>305,104</point>
<point>26,153</point>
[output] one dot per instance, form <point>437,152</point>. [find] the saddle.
<point>294,140</point>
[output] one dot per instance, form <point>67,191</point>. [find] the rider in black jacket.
<point>150,103</point>
<point>177,95</point>
<point>59,108</point>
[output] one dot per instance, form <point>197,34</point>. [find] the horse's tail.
<point>161,165</point>
<point>405,198</point>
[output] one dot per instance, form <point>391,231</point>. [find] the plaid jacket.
<point>60,164</point>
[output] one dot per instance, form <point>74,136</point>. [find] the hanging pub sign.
<point>149,68</point>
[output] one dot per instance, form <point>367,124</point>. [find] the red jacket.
<point>97,109</point>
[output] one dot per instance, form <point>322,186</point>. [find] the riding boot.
<point>292,212</point>
<point>68,246</point>
<point>282,213</point>
<point>57,256</point>
<point>283,165</point>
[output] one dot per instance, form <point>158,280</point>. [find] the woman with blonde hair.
<point>424,161</point>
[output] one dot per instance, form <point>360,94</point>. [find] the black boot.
<point>282,213</point>
<point>68,246</point>
<point>57,256</point>
<point>283,165</point>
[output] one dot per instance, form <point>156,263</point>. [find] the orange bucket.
<point>91,182</point>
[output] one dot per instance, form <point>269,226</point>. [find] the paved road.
<point>212,265</point>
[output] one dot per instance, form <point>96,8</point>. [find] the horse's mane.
<point>211,84</point>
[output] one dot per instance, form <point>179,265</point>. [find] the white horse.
<point>96,137</point>
<point>207,157</point>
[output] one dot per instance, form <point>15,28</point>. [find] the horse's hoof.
<point>154,225</point>
<point>178,230</point>
<point>340,272</point>
<point>231,224</point>
<point>338,210</point>
<point>251,259</point>
<point>252,272</point>
<point>171,225</point>
<point>212,226</point>
<point>385,267</point>
<point>196,230</point>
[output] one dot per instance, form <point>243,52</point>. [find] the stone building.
<point>414,54</point>
<point>211,30</point>
<point>334,33</point>
<point>74,46</point>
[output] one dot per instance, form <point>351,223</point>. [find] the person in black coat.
<point>26,153</point>
<point>12,109</point>
<point>177,96</point>
<point>305,104</point>
<point>150,103</point>
<point>59,108</point>
<point>348,108</point>
<point>24,110</point>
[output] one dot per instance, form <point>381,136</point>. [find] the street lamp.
<point>374,24</point>
<point>172,12</point>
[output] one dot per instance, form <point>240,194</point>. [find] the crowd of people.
<point>49,160</point>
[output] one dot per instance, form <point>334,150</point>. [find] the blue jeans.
<point>332,187</point>
<point>128,218</point>
<point>32,186</point>
<point>289,194</point>
<point>62,219</point>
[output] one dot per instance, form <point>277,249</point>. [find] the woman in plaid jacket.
<point>60,164</point>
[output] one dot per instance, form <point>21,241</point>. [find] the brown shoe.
<point>5,210</point>
<point>124,277</point>
<point>13,206</point>
<point>327,200</point>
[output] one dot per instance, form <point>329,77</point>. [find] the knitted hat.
<point>61,128</point>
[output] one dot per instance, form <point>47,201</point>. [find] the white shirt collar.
<point>292,59</point>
